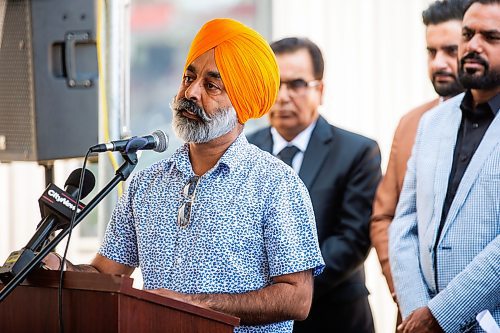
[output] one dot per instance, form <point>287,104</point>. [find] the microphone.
<point>56,207</point>
<point>71,184</point>
<point>62,203</point>
<point>157,141</point>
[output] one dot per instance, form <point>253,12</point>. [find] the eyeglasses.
<point>189,193</point>
<point>298,86</point>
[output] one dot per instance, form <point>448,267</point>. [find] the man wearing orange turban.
<point>246,63</point>
<point>221,223</point>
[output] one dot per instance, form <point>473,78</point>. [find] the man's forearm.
<point>267,305</point>
<point>280,301</point>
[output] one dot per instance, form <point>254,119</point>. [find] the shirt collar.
<point>494,103</point>
<point>481,110</point>
<point>230,159</point>
<point>180,160</point>
<point>300,141</point>
<point>235,153</point>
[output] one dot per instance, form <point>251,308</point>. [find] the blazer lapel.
<point>316,152</point>
<point>447,128</point>
<point>265,141</point>
<point>488,143</point>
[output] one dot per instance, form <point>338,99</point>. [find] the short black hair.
<point>482,2</point>
<point>443,11</point>
<point>292,44</point>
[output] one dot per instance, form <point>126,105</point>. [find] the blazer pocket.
<point>491,169</point>
<point>484,199</point>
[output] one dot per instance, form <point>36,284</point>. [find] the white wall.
<point>20,186</point>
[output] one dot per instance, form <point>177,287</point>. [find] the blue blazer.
<point>468,251</point>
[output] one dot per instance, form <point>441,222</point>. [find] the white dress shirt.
<point>300,141</point>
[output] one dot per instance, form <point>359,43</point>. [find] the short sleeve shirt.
<point>251,219</point>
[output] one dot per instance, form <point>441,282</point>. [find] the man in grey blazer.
<point>341,171</point>
<point>444,243</point>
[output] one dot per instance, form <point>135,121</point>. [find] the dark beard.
<point>449,89</point>
<point>469,80</point>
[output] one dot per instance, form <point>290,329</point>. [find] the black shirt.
<point>473,126</point>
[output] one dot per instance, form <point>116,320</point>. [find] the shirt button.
<point>178,261</point>
<point>463,157</point>
<point>475,125</point>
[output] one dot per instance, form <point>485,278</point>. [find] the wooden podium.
<point>102,303</point>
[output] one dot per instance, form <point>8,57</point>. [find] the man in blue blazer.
<point>341,171</point>
<point>444,244</point>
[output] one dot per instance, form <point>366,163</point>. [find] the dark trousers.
<point>346,317</point>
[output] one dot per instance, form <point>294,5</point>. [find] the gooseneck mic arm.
<point>121,175</point>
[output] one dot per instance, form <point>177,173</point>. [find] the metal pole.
<point>115,48</point>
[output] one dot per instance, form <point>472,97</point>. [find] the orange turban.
<point>246,63</point>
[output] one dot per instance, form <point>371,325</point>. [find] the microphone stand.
<point>121,175</point>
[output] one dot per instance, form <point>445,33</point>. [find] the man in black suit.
<point>341,171</point>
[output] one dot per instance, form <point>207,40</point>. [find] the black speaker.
<point>48,79</point>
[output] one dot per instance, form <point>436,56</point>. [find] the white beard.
<point>201,131</point>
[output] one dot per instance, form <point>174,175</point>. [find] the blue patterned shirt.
<point>251,219</point>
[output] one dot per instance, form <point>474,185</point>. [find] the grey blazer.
<point>468,252</point>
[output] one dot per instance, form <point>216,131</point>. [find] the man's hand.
<point>100,264</point>
<point>420,321</point>
<point>52,262</point>
<point>177,296</point>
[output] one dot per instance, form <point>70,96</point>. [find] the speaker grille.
<point>17,121</point>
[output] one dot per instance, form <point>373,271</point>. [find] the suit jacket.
<point>341,170</point>
<point>468,251</point>
<point>387,195</point>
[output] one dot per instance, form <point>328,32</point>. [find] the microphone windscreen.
<point>161,140</point>
<point>74,180</point>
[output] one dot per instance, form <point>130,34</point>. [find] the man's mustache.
<point>185,104</point>
<point>476,57</point>
<point>443,73</point>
